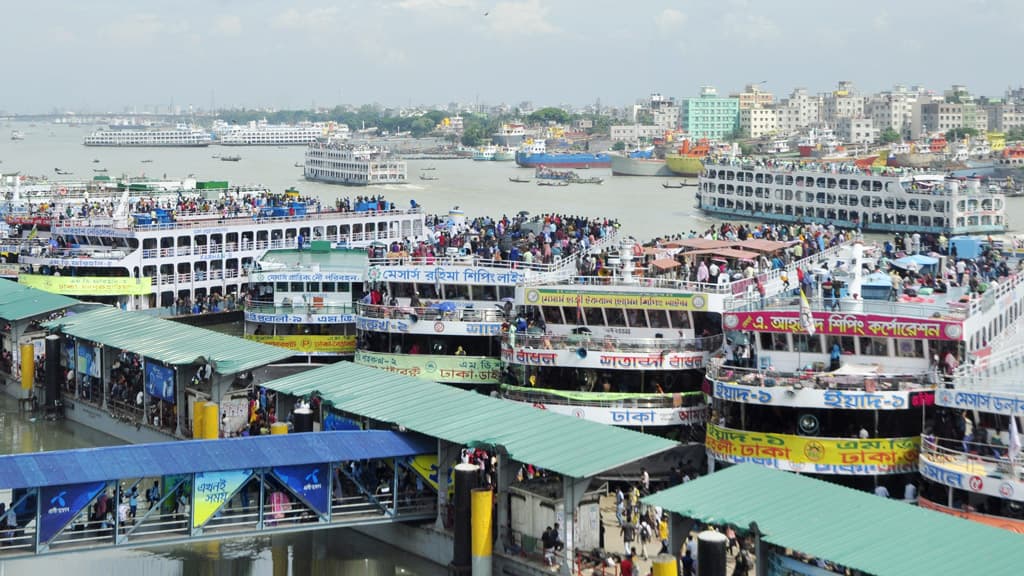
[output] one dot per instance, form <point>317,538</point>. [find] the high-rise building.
<point>710,115</point>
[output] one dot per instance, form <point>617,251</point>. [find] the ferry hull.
<point>582,160</point>
<point>684,165</point>
<point>623,166</point>
<point>147,145</point>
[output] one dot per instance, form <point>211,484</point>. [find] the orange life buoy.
<point>63,191</point>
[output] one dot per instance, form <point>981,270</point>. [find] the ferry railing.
<point>718,371</point>
<point>216,219</point>
<point>602,399</point>
<point>849,306</point>
<point>299,307</point>
<point>613,343</point>
<point>1004,286</point>
<point>459,314</point>
<point>975,458</point>
<point>404,259</point>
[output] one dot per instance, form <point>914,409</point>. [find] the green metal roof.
<point>168,342</point>
<point>852,528</point>
<point>17,301</point>
<point>563,444</point>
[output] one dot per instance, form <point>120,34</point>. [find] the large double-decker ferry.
<point>180,136</point>
<point>337,162</point>
<point>838,376</point>
<point>847,195</point>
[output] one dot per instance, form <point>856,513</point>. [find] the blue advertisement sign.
<point>333,421</point>
<point>62,503</point>
<point>69,354</point>
<point>160,381</point>
<point>310,482</point>
<point>88,360</point>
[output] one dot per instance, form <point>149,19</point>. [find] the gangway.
<point>81,500</point>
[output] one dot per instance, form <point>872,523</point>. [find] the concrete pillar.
<point>197,419</point>
<point>28,367</point>
<point>465,482</point>
<point>665,565</point>
<point>572,493</point>
<point>482,534</point>
<point>447,455</point>
<point>711,553</point>
<point>504,475</point>
<point>53,371</point>
<point>211,421</point>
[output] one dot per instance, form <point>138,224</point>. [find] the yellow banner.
<point>212,490</point>
<point>88,285</point>
<point>738,445</point>
<point>452,369</point>
<point>426,466</point>
<point>310,343</point>
<point>546,297</point>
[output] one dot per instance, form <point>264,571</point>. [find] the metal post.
<point>263,495</point>
<point>330,489</point>
<point>394,489</point>
<point>39,518</point>
<point>117,510</point>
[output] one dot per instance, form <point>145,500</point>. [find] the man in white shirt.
<point>910,492</point>
<point>882,491</point>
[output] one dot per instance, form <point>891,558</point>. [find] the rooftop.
<point>18,302</point>
<point>855,529</point>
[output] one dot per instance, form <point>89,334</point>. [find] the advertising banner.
<point>212,490</point>
<point>312,344</point>
<point>999,403</point>
<point>159,381</point>
<point>813,454</point>
<point>846,324</point>
<point>426,466</point>
<point>61,504</point>
<point>446,275</point>
<point>88,360</point>
<point>450,369</point>
<point>817,398</point>
<point>88,286</point>
<point>591,299</point>
<point>604,360</point>
<point>309,482</point>
<point>631,416</point>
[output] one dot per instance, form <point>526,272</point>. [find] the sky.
<point>105,55</point>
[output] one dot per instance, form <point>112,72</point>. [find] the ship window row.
<point>838,215</point>
<point>864,345</point>
<point>302,287</point>
<point>618,317</point>
<point>974,204</point>
<point>432,291</point>
<point>789,195</point>
<point>996,325</point>
<point>864,185</point>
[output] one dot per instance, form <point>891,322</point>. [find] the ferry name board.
<point>264,318</point>
<point>815,398</point>
<point>846,324</point>
<point>1009,404</point>
<point>631,416</point>
<point>310,344</point>
<point>88,285</point>
<point>605,360</point>
<point>952,473</point>
<point>590,299</point>
<point>297,276</point>
<point>445,275</point>
<point>815,455</point>
<point>438,368</point>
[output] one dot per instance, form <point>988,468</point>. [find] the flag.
<point>1014,439</point>
<point>806,318</point>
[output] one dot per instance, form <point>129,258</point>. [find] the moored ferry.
<point>181,253</point>
<point>336,162</point>
<point>845,195</point>
<point>180,136</point>
<point>260,133</point>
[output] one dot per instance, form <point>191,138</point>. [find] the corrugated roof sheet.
<point>17,301</point>
<point>185,457</point>
<point>852,528</point>
<point>167,341</point>
<point>563,444</point>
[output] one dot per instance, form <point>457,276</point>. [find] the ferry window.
<point>774,341</point>
<point>572,315</point>
<point>805,343</point>
<point>910,348</point>
<point>312,286</point>
<point>427,290</point>
<point>506,292</point>
<point>328,287</point>
<point>636,317</point>
<point>615,317</point>
<point>874,346</point>
<point>552,314</point>
<point>297,287</point>
<point>594,316</point>
<point>845,343</point>
<point>282,287</point>
<point>680,319</point>
<point>489,293</point>
<point>398,289</point>
<point>458,291</point>
<point>658,318</point>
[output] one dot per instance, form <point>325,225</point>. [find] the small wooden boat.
<point>518,179</point>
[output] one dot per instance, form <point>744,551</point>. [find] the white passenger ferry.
<point>260,133</point>
<point>180,136</point>
<point>848,196</point>
<point>356,165</point>
<point>165,257</point>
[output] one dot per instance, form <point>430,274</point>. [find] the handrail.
<point>611,343</point>
<point>979,463</point>
<point>459,314</point>
<point>865,306</point>
<point>716,370</point>
<point>300,307</point>
<point>599,399</point>
<point>403,258</point>
<point>217,219</point>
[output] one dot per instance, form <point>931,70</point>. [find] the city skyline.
<point>105,56</point>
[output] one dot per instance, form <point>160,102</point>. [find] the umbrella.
<point>508,299</point>
<point>915,261</point>
<point>443,306</point>
<point>581,330</point>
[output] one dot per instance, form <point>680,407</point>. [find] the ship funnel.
<point>627,266</point>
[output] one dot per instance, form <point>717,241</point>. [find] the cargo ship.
<point>688,160</point>
<point>536,154</point>
<point>639,163</point>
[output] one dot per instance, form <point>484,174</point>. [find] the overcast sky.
<point>106,54</point>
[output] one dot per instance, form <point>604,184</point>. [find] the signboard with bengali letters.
<point>812,454</point>
<point>631,416</point>
<point>447,275</point>
<point>88,285</point>
<point>311,344</point>
<point>846,324</point>
<point>450,369</point>
<point>828,398</point>
<point>604,360</point>
<point>592,299</point>
<point>999,403</point>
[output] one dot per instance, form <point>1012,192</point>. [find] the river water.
<point>337,551</point>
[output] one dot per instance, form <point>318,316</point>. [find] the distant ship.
<point>337,163</point>
<point>688,160</point>
<point>510,135</point>
<point>181,136</point>
<point>537,155</point>
<point>639,163</point>
<point>263,134</point>
<point>17,135</point>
